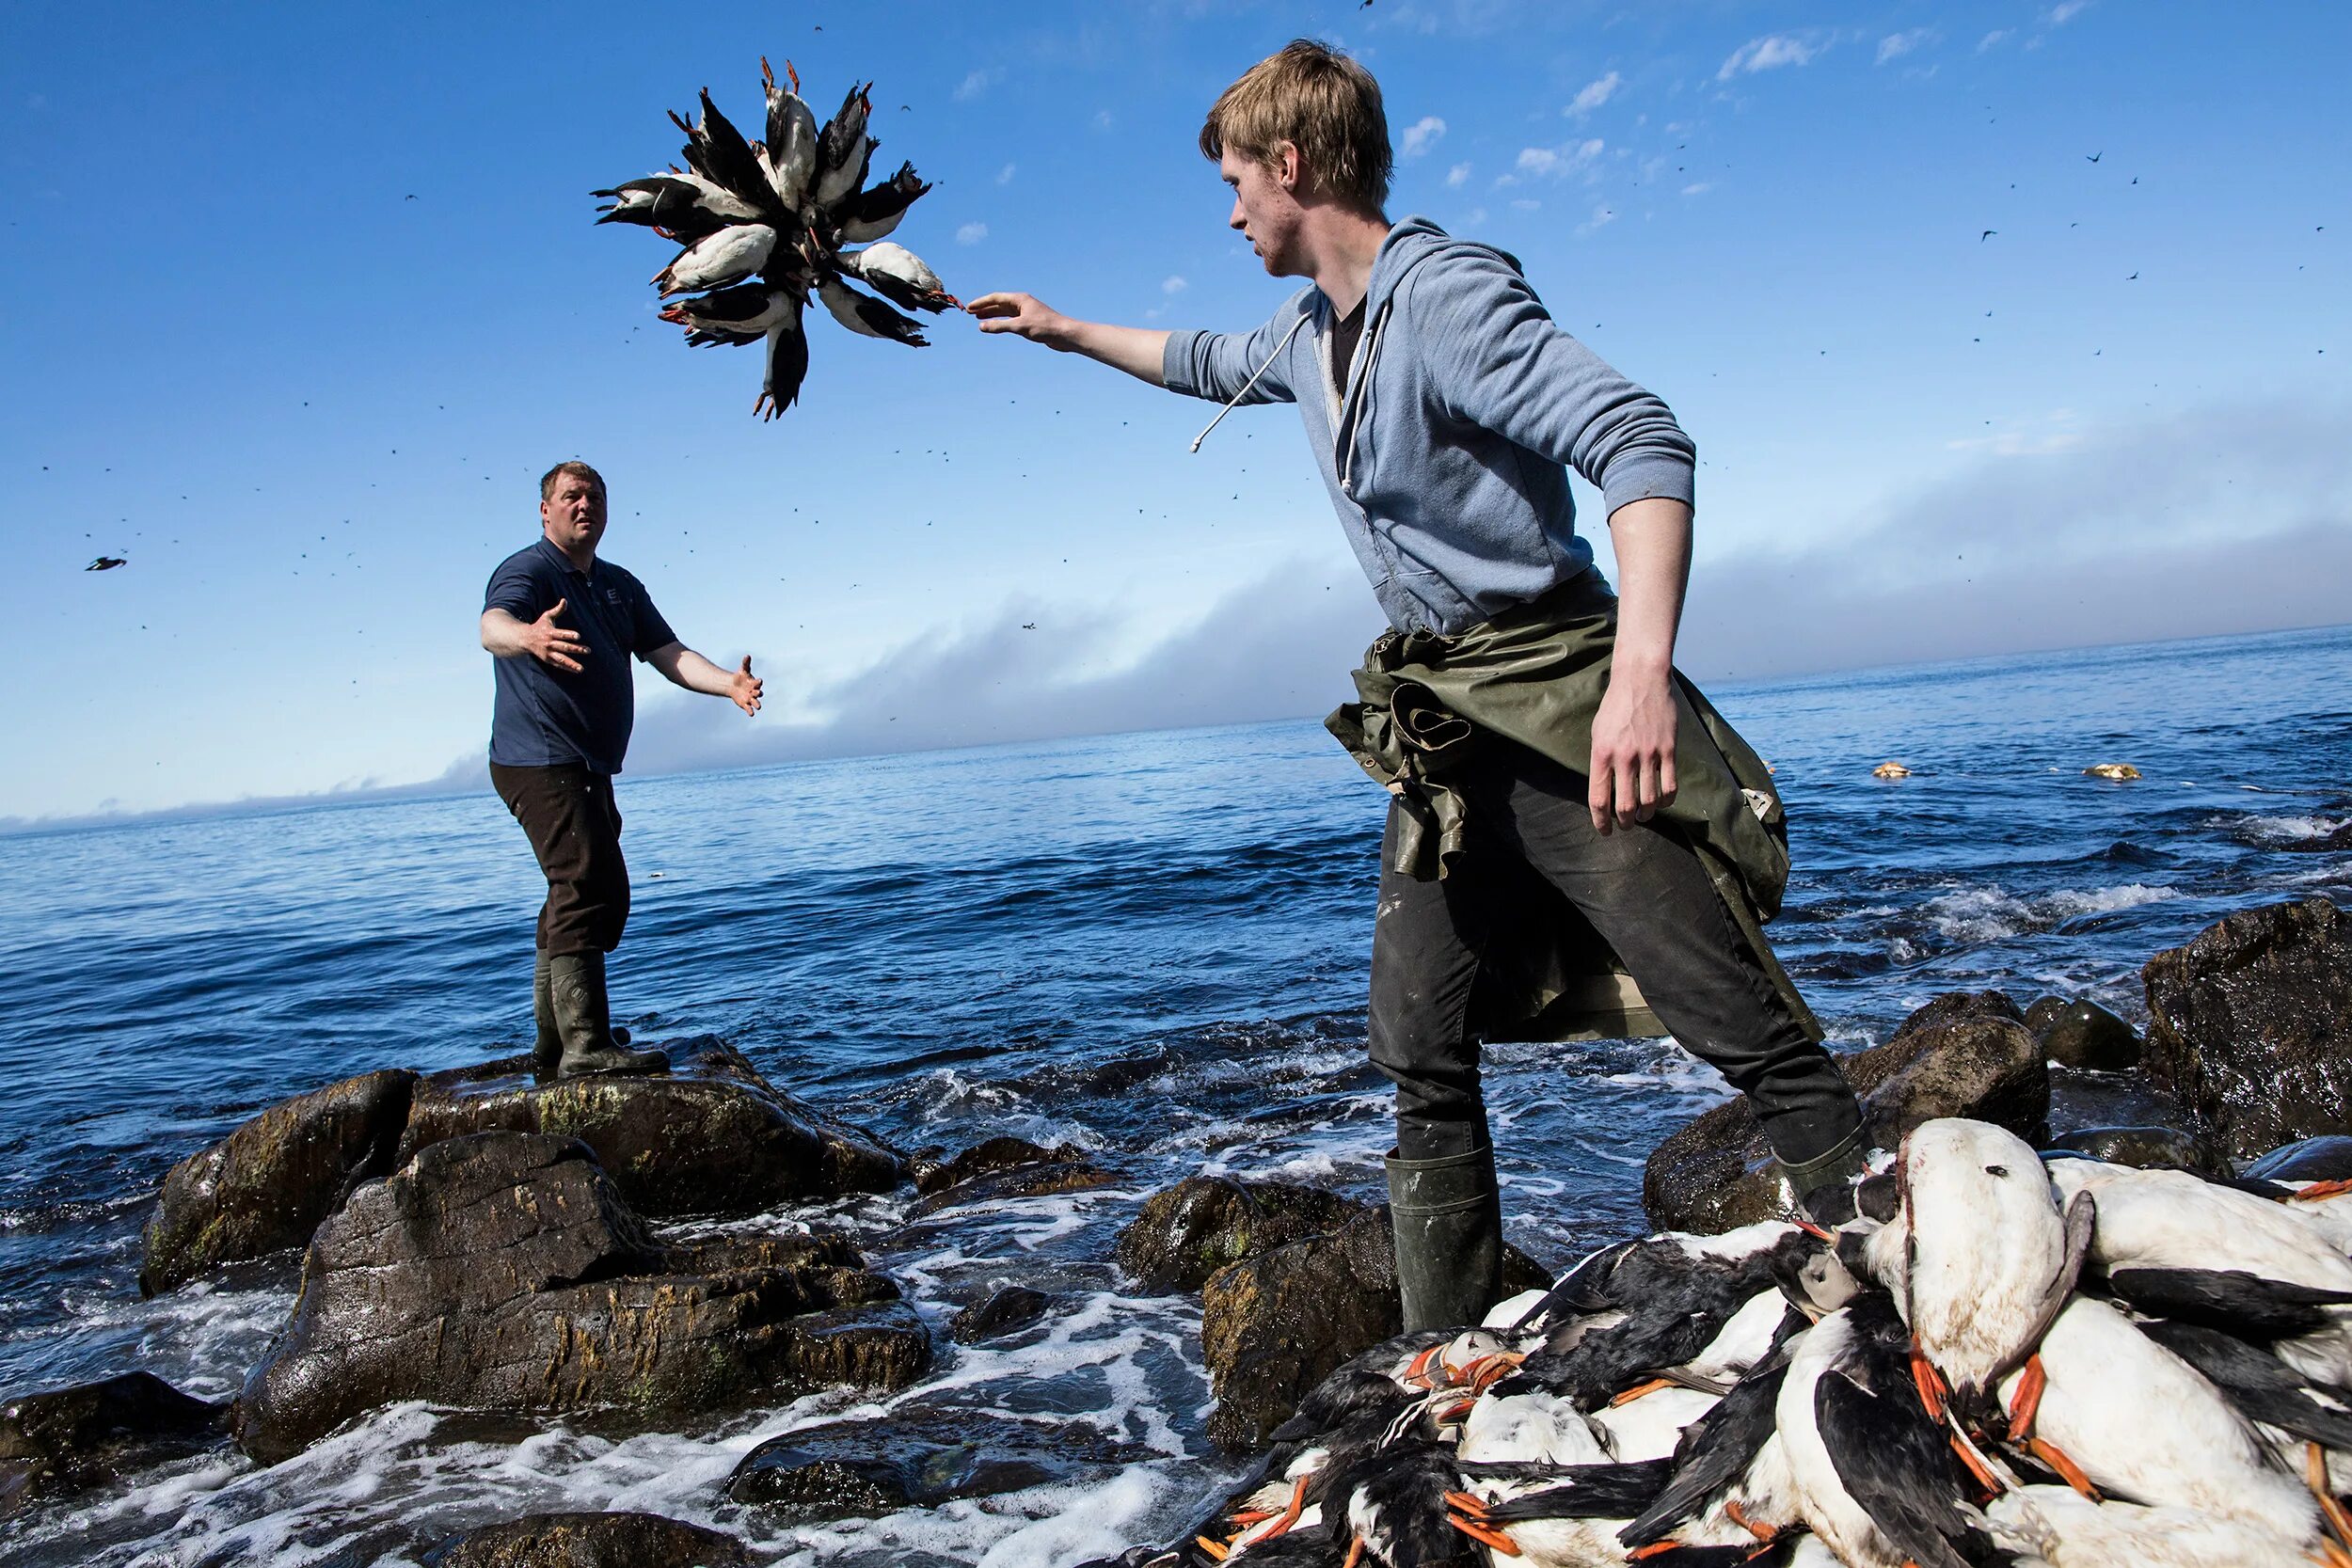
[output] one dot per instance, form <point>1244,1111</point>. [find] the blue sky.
<point>311,409</point>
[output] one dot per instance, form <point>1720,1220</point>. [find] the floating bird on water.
<point>762,225</point>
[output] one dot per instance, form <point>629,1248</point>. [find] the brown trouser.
<point>568,814</point>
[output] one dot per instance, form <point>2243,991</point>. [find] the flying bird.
<point>762,224</point>
<point>1986,235</point>
<point>2094,157</point>
<point>106,563</point>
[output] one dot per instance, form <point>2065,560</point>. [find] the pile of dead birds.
<point>764,223</point>
<point>1998,1360</point>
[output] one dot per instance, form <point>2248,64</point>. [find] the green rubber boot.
<point>1447,1218</point>
<point>583,1018</point>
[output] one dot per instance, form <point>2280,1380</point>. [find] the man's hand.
<point>1633,751</point>
<point>557,647</point>
<point>743,689</point>
<point>1024,315</point>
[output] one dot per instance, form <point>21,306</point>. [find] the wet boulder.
<point>1966,1055</point>
<point>68,1439</point>
<point>267,1187</point>
<point>1003,1168</point>
<point>1274,1325</point>
<point>2083,1035</point>
<point>1006,1311</point>
<point>1186,1233</point>
<point>711,1137</point>
<point>504,1271</point>
<point>917,1456</point>
<point>2327,1158</point>
<point>590,1540</point>
<point>2143,1148</point>
<point>2249,1024</point>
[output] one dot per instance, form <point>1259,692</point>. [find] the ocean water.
<point>1154,946</point>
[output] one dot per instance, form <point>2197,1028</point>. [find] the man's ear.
<point>1287,166</point>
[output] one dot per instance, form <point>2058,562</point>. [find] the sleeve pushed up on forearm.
<point>1218,365</point>
<point>1506,366</point>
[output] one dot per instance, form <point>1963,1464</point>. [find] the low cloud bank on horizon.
<point>2212,522</point>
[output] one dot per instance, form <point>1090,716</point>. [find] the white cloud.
<point>2065,13</point>
<point>1477,216</point>
<point>1699,189</point>
<point>1525,204</point>
<point>1991,38</point>
<point>976,84</point>
<point>1101,120</point>
<point>1602,217</point>
<point>1173,285</point>
<point>1594,95</point>
<point>972,233</point>
<point>1558,162</point>
<point>1894,46</point>
<point>1767,53</point>
<point>1422,135</point>
<point>1003,175</point>
<point>1458,174</point>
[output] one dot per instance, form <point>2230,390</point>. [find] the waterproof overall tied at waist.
<point>1534,674</point>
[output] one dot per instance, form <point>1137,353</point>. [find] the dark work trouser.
<point>1648,896</point>
<point>574,824</point>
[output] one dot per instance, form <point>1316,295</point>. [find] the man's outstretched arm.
<point>1136,349</point>
<point>682,666</point>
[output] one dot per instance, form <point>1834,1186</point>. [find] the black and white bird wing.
<point>686,207</point>
<point>1714,1454</point>
<point>719,153</point>
<point>1897,1467</point>
<point>787,364</point>
<point>2233,1300</point>
<point>2259,1383</point>
<point>843,149</point>
<point>876,211</point>
<point>1573,1491</point>
<point>869,317</point>
<point>898,276</point>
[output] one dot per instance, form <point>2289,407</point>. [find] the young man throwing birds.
<point>1577,844</point>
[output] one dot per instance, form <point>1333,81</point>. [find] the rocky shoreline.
<point>479,1243</point>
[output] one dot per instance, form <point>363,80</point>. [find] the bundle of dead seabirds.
<point>763,223</point>
<point>1996,1361</point>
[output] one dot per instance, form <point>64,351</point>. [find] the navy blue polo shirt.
<point>545,716</point>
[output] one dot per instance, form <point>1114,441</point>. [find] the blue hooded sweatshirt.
<point>1444,452</point>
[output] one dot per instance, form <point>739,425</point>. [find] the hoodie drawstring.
<point>1252,381</point>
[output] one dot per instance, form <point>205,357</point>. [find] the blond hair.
<point>1320,102</point>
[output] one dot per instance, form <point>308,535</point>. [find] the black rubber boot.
<point>1447,1218</point>
<point>547,1050</point>
<point>1823,1186</point>
<point>584,1019</point>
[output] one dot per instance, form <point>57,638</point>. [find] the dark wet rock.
<point>2144,1148</point>
<point>1966,1055</point>
<point>1274,1325</point>
<point>933,1175</point>
<point>68,1439</point>
<point>503,1270</point>
<point>1015,1306</point>
<point>2082,1034</point>
<point>2336,840</point>
<point>711,1137</point>
<point>2249,1024</point>
<point>1004,1168</point>
<point>1188,1231</point>
<point>590,1540</point>
<point>267,1187</point>
<point>2322,1159</point>
<point>918,1457</point>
